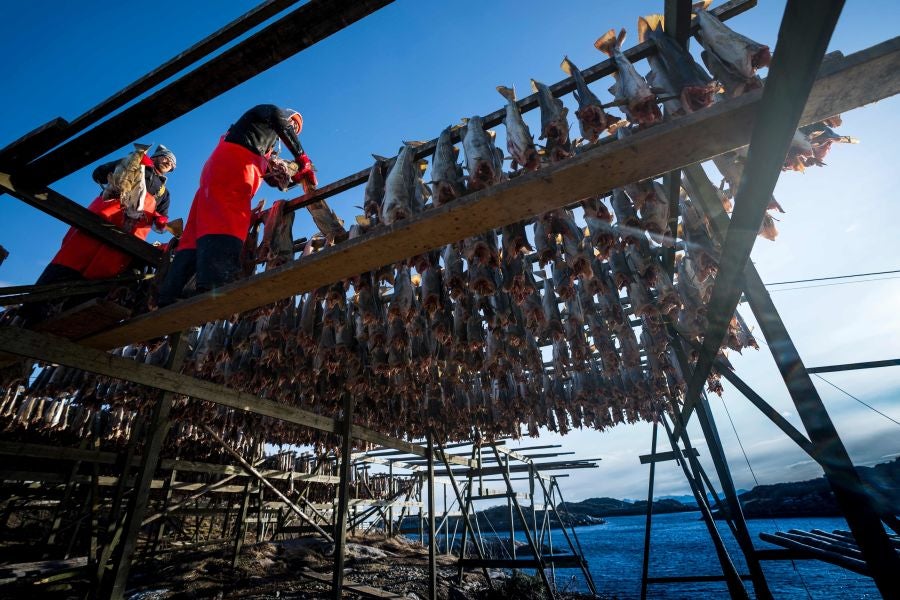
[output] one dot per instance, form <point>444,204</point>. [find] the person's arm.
<point>280,122</point>
<point>101,174</point>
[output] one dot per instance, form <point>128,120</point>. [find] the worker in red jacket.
<point>220,214</point>
<point>84,257</point>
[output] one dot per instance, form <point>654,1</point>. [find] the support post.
<point>827,447</point>
<point>432,564</point>
<point>340,526</point>
<point>534,548</point>
<point>735,586</point>
<point>240,525</point>
<point>646,562</point>
<point>742,534</point>
<point>159,427</point>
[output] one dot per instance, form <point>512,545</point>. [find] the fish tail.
<point>650,26</point>
<point>608,43</point>
<point>534,85</point>
<point>142,148</point>
<point>508,93</point>
<point>568,67</point>
<point>702,5</point>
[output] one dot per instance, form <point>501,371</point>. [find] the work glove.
<point>306,174</point>
<point>159,222</point>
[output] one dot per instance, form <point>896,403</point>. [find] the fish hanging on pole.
<point>127,182</point>
<point>631,91</point>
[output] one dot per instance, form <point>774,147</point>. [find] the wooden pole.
<point>645,566</point>
<point>265,483</point>
<point>240,525</point>
<point>159,427</point>
<point>340,529</point>
<point>432,541</point>
<point>534,548</point>
<point>735,586</point>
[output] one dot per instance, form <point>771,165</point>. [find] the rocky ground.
<point>273,570</point>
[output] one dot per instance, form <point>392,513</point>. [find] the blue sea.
<point>680,545</point>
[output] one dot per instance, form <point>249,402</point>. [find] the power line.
<point>806,287</point>
<point>857,399</point>
<point>835,277</point>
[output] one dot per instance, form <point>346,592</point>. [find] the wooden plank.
<point>300,29</point>
<point>32,143</point>
<point>366,591</point>
<point>87,318</point>
<point>873,364</point>
<point>873,74</point>
<point>664,456</point>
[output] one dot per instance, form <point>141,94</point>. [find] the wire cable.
<point>756,481</point>
<point>835,277</point>
<point>806,287</point>
<point>857,399</point>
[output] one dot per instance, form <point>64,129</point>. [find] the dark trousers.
<point>216,261</point>
<point>35,312</point>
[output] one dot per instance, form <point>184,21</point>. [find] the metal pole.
<point>340,528</point>
<point>646,564</point>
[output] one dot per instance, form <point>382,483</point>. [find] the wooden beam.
<point>70,212</point>
<point>300,29</point>
<point>158,429</point>
<point>802,40</point>
<point>847,83</point>
<point>665,456</point>
<point>340,521</point>
<point>58,350</point>
<point>873,364</point>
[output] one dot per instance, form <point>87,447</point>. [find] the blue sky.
<point>412,68</point>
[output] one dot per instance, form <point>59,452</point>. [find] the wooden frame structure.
<point>802,95</point>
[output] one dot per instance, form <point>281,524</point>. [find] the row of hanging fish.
<point>454,340</point>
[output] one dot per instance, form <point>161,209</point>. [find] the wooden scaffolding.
<point>136,489</point>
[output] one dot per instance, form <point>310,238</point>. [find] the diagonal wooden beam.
<point>71,213</point>
<point>802,40</point>
<point>300,29</point>
<point>847,83</point>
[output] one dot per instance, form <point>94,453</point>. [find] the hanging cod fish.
<point>519,141</point>
<point>631,91</point>
<point>483,160</point>
<point>674,69</point>
<point>554,126</point>
<point>592,119</point>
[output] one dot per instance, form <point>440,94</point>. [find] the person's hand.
<point>306,173</point>
<point>159,222</point>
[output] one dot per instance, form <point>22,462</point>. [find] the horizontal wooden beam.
<point>847,83</point>
<point>873,364</point>
<point>664,456</point>
<point>53,349</point>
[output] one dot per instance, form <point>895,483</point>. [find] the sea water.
<point>681,546</point>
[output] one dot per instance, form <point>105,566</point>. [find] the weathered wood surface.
<point>845,84</point>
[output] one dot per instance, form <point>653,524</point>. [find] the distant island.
<point>812,498</point>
